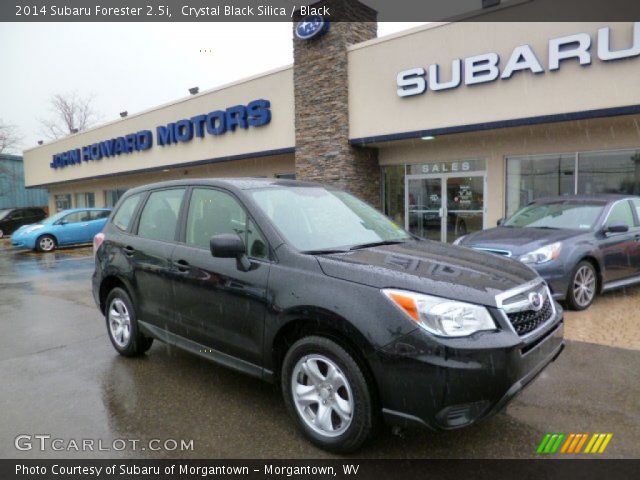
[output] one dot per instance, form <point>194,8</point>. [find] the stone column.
<point>323,153</point>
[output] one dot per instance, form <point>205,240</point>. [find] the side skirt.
<point>205,352</point>
<point>621,283</point>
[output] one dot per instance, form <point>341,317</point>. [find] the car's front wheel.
<point>46,243</point>
<point>122,325</point>
<point>583,287</point>
<point>327,393</point>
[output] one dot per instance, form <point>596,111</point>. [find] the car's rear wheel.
<point>583,287</point>
<point>327,393</point>
<point>122,325</point>
<point>46,243</point>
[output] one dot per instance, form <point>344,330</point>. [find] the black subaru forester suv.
<point>309,287</point>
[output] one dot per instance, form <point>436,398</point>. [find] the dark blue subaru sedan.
<point>581,245</point>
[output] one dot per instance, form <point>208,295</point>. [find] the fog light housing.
<point>457,416</point>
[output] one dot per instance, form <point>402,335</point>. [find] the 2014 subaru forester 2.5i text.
<point>304,285</point>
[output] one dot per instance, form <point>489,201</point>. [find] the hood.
<point>518,240</point>
<point>24,228</point>
<point>432,268</point>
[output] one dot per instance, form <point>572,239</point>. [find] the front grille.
<point>528,320</point>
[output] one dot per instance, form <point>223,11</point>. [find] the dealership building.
<point>447,127</point>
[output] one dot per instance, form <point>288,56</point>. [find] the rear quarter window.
<point>124,215</point>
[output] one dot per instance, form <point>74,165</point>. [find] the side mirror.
<point>500,221</point>
<point>616,228</point>
<point>62,222</point>
<point>230,245</point>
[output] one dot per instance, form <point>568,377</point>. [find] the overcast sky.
<point>130,66</point>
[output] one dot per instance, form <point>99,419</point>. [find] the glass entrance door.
<point>424,207</point>
<point>444,207</point>
<point>465,206</point>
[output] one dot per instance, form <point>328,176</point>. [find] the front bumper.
<point>558,277</point>
<point>23,242</point>
<point>451,383</point>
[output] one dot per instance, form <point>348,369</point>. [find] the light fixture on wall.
<point>428,137</point>
<point>194,90</point>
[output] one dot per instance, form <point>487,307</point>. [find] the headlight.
<point>458,240</point>
<point>543,254</point>
<point>441,316</point>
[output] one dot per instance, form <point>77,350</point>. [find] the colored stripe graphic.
<point>573,443</point>
<point>550,443</point>
<point>598,443</point>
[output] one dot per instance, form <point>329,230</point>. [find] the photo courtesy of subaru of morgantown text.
<point>336,238</point>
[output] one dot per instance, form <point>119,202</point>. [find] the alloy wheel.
<point>584,286</point>
<point>119,322</point>
<point>322,395</point>
<point>47,244</point>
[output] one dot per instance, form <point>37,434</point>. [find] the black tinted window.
<point>159,216</point>
<point>123,216</point>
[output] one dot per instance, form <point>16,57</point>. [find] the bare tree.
<point>71,113</point>
<point>9,137</point>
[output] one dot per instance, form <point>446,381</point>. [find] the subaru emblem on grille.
<point>536,301</point>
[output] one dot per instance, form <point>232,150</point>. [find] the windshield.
<point>4,213</point>
<point>561,215</point>
<point>314,218</point>
<point>54,218</point>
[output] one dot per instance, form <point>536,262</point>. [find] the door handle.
<point>182,266</point>
<point>129,251</point>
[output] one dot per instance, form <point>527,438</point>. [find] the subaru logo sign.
<point>536,301</point>
<point>312,26</point>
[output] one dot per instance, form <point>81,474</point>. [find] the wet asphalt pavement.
<point>60,376</point>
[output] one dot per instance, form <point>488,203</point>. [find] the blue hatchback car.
<point>69,227</point>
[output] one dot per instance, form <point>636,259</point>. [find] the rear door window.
<point>99,214</point>
<point>124,215</point>
<point>159,216</point>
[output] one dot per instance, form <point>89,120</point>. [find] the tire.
<point>1,233</point>
<point>120,312</point>
<point>46,243</point>
<point>346,400</point>
<point>583,287</point>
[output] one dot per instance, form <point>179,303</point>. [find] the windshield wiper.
<point>377,244</point>
<point>323,251</point>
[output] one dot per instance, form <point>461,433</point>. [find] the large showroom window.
<point>535,176</point>
<point>63,201</point>
<point>111,197</point>
<point>85,200</point>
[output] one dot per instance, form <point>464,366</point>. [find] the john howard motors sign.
<point>218,122</point>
